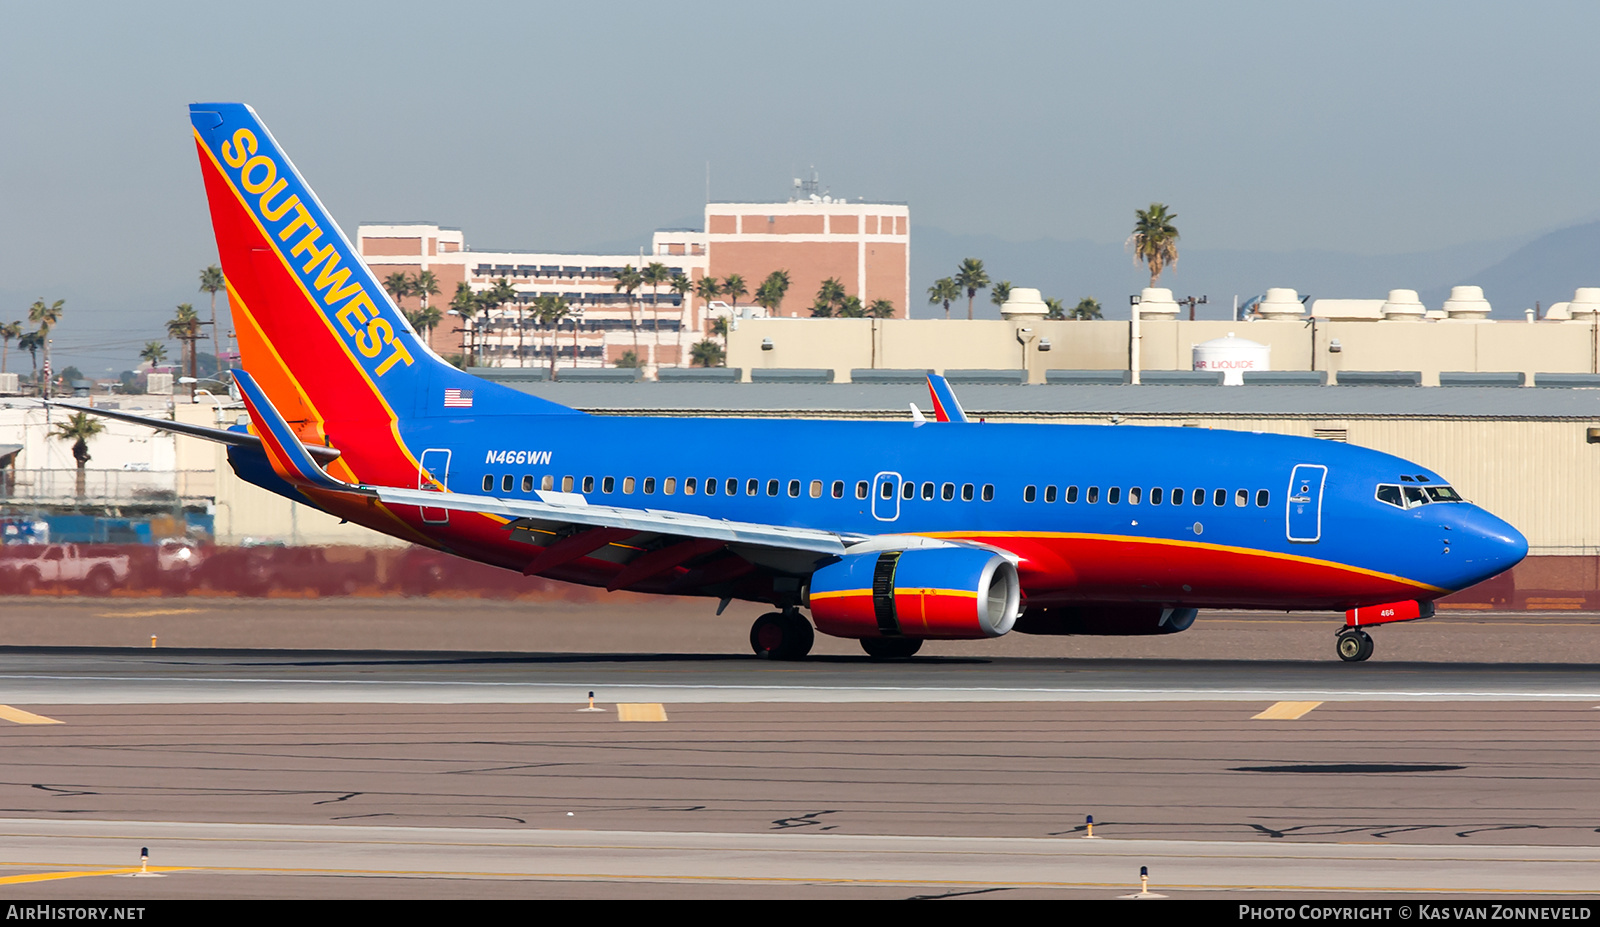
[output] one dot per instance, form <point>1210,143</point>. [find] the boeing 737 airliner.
<point>887,532</point>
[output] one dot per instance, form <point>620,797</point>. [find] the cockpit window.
<point>1409,497</point>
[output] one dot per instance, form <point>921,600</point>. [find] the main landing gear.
<point>1354,645</point>
<point>785,635</point>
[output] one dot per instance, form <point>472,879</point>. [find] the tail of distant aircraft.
<point>321,337</point>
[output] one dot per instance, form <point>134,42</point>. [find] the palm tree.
<point>425,284</point>
<point>830,294</point>
<point>465,304</point>
<point>707,290</point>
<point>32,342</point>
<point>550,310</point>
<point>970,276</point>
<point>488,301</point>
<point>822,309</point>
<point>733,287</point>
<point>628,359</point>
<point>78,429</point>
<point>423,319</point>
<point>8,331</point>
<point>850,308</point>
<point>706,353</point>
<point>155,352</point>
<point>999,293</point>
<point>212,282</point>
<point>628,280</point>
<point>944,290</point>
<point>680,285</point>
<point>719,328</point>
<point>1054,309</point>
<point>184,326</point>
<point>1086,309</point>
<point>46,316</point>
<point>774,288</point>
<point>655,273</point>
<point>881,309</point>
<point>1155,239</point>
<point>398,285</point>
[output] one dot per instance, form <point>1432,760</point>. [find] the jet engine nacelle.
<point>941,592</point>
<point>1105,618</point>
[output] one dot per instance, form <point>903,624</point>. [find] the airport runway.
<point>358,773</point>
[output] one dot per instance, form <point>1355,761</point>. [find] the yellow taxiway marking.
<point>641,712</point>
<point>52,876</point>
<point>18,716</point>
<point>1286,711</point>
<point>150,613</point>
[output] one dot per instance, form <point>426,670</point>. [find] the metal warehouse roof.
<point>874,400</point>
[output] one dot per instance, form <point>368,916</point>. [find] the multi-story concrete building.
<point>864,246</point>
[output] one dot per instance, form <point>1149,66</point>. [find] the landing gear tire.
<point>890,648</point>
<point>781,636</point>
<point>1354,646</point>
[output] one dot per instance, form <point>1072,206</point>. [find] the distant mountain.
<point>1071,270</point>
<point>1545,270</point>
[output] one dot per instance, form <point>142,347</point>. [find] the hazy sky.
<point>1369,128</point>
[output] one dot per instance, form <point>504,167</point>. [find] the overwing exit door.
<point>1305,503</point>
<point>886,496</point>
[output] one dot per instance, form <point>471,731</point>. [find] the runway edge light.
<point>1088,828</point>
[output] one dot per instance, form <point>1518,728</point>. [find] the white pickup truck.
<point>23,567</point>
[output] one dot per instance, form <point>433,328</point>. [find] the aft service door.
<point>1305,503</point>
<point>886,496</point>
<point>434,474</point>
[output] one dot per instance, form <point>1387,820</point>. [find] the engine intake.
<point>943,592</point>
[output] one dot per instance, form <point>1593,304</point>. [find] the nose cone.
<point>1478,545</point>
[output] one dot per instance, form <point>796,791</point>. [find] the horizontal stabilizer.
<point>220,435</point>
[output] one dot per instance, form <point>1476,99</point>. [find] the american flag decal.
<point>458,399</point>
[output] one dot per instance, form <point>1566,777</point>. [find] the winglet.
<point>946,407</point>
<point>289,458</point>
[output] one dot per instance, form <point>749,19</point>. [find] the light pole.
<point>1133,340</point>
<point>1192,303</point>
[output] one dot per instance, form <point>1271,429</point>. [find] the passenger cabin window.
<point>548,483</point>
<point>752,487</point>
<point>1029,493</point>
<point>886,490</point>
<point>649,485</point>
<point>908,490</point>
<point>668,486</point>
<point>627,486</point>
<point>838,489</point>
<point>947,491</point>
<point>816,489</point>
<point>1093,495</point>
<point>608,485</point>
<point>566,484</point>
<point>1199,497</point>
<point>988,492</point>
<point>711,485</point>
<point>505,482</point>
<point>588,484</point>
<point>1155,496</point>
<point>732,487</point>
<point>488,482</point>
<point>1072,494</point>
<point>1114,495</point>
<point>1220,497</point>
<point>1049,494</point>
<point>772,487</point>
<point>861,489</point>
<point>1133,496</point>
<point>690,484</point>
<point>1262,498</point>
<point>1241,498</point>
<point>794,489</point>
<point>1177,497</point>
<point>966,492</point>
<point>928,491</point>
<point>527,484</point>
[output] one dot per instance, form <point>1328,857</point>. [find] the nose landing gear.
<point>1354,645</point>
<point>785,635</point>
